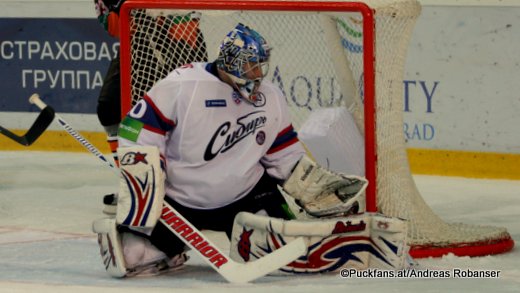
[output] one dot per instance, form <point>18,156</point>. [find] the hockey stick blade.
<point>39,126</point>
<point>232,271</point>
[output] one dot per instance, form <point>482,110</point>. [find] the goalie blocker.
<point>359,242</point>
<point>141,187</point>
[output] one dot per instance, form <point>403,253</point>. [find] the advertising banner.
<point>64,60</point>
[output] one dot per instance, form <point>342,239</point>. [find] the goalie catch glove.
<point>321,192</point>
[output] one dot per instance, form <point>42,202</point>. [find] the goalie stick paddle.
<point>38,127</point>
<point>35,99</point>
<point>231,270</point>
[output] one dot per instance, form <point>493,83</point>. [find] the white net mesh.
<point>317,61</point>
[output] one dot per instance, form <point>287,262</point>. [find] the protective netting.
<point>317,61</point>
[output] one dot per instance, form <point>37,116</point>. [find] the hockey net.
<point>326,55</point>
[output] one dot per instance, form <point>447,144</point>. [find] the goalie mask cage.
<point>325,54</point>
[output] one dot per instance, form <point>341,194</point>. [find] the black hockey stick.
<point>39,126</point>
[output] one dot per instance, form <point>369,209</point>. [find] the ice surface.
<point>48,201</point>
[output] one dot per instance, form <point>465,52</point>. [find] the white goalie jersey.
<point>201,127</point>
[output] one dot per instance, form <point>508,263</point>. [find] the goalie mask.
<point>244,58</point>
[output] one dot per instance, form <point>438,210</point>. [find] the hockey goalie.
<point>214,142</point>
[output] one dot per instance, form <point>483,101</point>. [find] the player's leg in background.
<point>109,105</point>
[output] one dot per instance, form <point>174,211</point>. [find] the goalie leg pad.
<point>110,246</point>
<point>358,242</point>
<point>322,192</point>
<point>389,234</point>
<point>141,187</point>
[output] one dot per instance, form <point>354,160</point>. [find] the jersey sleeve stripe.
<point>282,146</point>
<point>154,129</point>
<point>158,112</point>
<point>285,131</point>
<point>285,138</point>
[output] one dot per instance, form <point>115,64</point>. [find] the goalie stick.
<point>35,99</point>
<point>231,270</point>
<point>39,126</point>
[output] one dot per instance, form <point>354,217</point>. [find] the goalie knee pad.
<point>322,192</point>
<point>358,242</point>
<point>141,187</point>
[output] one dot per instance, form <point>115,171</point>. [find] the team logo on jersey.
<point>216,103</point>
<point>260,137</point>
<point>236,97</point>
<point>229,134</point>
<point>259,99</point>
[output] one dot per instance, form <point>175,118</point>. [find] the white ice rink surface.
<point>48,201</point>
